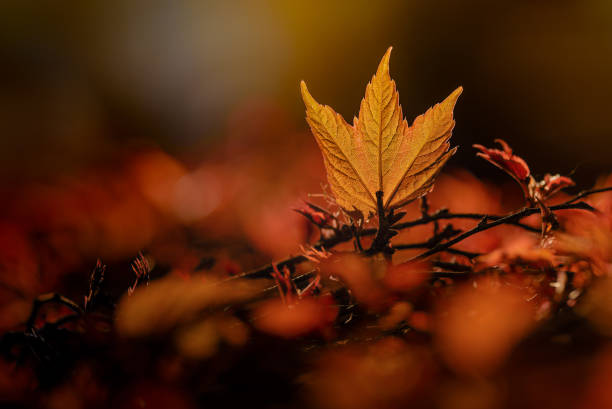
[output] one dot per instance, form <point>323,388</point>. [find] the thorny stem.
<point>487,222</point>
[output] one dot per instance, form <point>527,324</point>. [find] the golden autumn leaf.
<point>380,152</point>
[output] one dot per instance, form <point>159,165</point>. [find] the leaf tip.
<point>451,100</point>
<point>303,88</point>
<point>455,94</point>
<point>309,101</point>
<point>383,67</point>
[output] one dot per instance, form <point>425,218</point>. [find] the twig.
<point>425,213</point>
<point>451,270</point>
<point>345,234</point>
<point>424,245</point>
<point>586,193</point>
<point>485,225</point>
<point>355,230</point>
<point>445,215</point>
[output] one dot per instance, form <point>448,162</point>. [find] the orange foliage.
<point>171,301</point>
<point>521,250</point>
<point>406,276</point>
<point>597,305</point>
<point>384,374</point>
<point>202,224</point>
<point>380,152</point>
<point>400,311</point>
<point>359,274</point>
<point>476,328</point>
<point>303,317</point>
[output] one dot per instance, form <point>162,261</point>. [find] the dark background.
<point>81,80</point>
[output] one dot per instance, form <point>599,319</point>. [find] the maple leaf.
<point>380,152</point>
<point>506,160</point>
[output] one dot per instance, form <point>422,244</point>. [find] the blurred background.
<point>82,81</point>
<point>125,122</point>
<point>176,129</point>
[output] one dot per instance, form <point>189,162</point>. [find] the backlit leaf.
<point>380,151</point>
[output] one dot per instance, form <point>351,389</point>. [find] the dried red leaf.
<point>556,182</point>
<point>548,187</point>
<point>504,159</point>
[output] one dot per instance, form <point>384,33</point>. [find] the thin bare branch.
<point>487,222</point>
